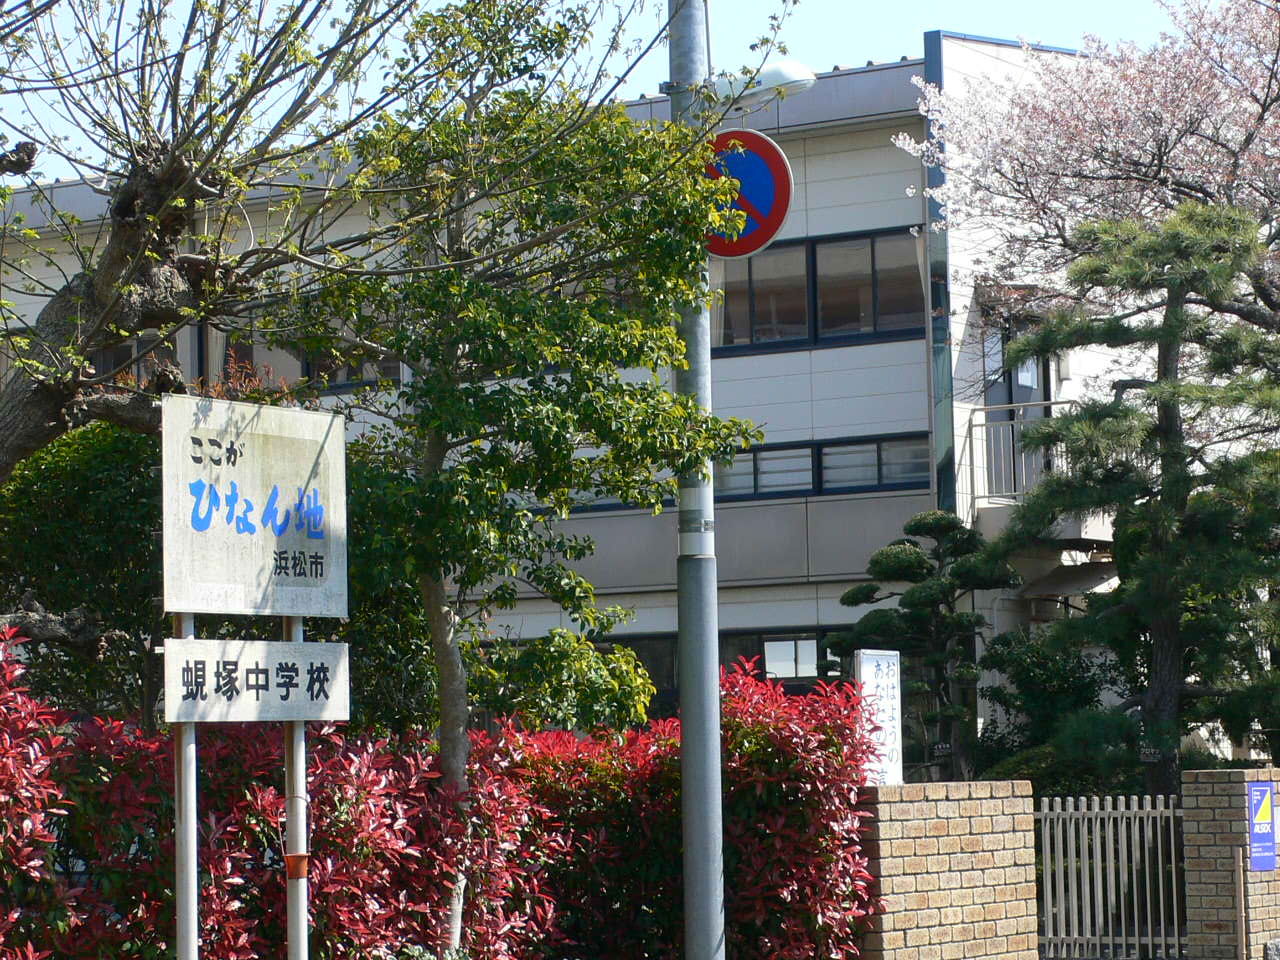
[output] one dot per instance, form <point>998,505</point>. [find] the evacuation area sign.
<point>764,195</point>
<point>1262,834</point>
<point>255,509</point>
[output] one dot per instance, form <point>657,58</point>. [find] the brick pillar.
<point>1215,826</point>
<point>956,865</point>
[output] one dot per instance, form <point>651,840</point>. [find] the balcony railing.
<point>1000,467</point>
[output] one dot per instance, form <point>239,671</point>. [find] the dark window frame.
<point>814,339</point>
<point>818,486</point>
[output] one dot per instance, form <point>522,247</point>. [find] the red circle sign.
<point>764,193</point>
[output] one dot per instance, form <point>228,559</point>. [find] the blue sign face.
<point>764,192</point>
<point>1262,835</point>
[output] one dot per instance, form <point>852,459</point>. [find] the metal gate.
<point>1110,881</point>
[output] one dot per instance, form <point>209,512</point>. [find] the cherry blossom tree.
<point>1117,133</point>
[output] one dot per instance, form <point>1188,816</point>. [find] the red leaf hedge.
<point>570,847</point>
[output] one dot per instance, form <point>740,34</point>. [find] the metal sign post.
<point>254,523</point>
<point>186,890</point>
<point>296,847</point>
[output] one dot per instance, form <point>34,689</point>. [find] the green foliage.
<point>1093,754</point>
<point>77,529</point>
<point>562,680</point>
<point>1183,461</point>
<point>929,625</point>
<point>535,304</point>
<point>1045,675</point>
<point>901,562</point>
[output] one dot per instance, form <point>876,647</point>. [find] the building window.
<point>827,290</point>
<point>826,466</point>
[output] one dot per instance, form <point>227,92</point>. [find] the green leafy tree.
<point>562,680</point>
<point>77,535</point>
<point>1180,457</point>
<point>934,623</point>
<point>1043,677</point>
<point>533,308</point>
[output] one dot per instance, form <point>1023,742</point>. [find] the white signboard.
<point>879,672</point>
<point>255,509</point>
<point>212,681</point>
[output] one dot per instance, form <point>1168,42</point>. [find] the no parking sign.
<point>764,195</point>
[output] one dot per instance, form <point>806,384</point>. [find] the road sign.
<point>211,681</point>
<point>255,509</point>
<point>1262,834</point>
<point>764,172</point>
<point>880,673</point>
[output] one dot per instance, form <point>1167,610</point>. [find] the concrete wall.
<point>956,865</point>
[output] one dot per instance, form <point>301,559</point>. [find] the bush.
<point>560,838</point>
<point>30,800</point>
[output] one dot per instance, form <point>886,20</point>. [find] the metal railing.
<point>1111,878</point>
<point>999,466</point>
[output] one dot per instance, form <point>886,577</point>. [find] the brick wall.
<point>956,865</point>
<point>1215,831</point>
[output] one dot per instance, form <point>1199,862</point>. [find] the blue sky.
<point>823,33</point>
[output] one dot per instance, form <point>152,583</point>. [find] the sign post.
<point>254,523</point>
<point>880,673</point>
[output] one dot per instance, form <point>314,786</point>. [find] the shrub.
<point>560,838</point>
<point>31,901</point>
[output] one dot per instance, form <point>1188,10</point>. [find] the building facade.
<point>858,346</point>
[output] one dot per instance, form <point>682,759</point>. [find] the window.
<point>788,656</point>
<point>826,466</point>
<point>825,290</point>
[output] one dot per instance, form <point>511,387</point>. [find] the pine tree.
<point>1180,458</point>
<point>934,624</point>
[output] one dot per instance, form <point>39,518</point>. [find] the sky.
<point>824,33</point>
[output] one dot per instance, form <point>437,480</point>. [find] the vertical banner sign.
<point>1262,834</point>
<point>255,509</point>
<point>879,672</point>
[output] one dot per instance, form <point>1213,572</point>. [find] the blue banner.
<point>1262,835</point>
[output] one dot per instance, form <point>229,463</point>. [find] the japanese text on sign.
<point>254,509</point>
<point>220,680</point>
<point>879,672</point>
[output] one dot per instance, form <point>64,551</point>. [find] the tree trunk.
<point>454,745</point>
<point>136,284</point>
<point>1162,704</point>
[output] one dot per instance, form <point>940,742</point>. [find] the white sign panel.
<point>255,509</point>
<point>879,672</point>
<point>212,681</point>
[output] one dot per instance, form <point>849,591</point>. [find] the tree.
<point>217,139</point>
<point>934,623</point>
<point>574,236</point>
<point>1115,133</point>
<point>77,529</point>
<point>1122,136</point>
<point>1181,459</point>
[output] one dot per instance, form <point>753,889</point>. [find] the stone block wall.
<point>955,863</point>
<point>1215,829</point>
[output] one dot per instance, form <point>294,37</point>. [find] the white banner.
<point>255,509</point>
<point>212,681</point>
<point>879,672</point>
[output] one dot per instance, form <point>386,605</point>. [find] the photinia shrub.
<point>31,899</point>
<point>569,846</point>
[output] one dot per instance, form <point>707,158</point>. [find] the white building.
<point>856,345</point>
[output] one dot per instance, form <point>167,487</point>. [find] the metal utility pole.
<point>699,635</point>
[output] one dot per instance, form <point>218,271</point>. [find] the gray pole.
<point>699,635</point>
